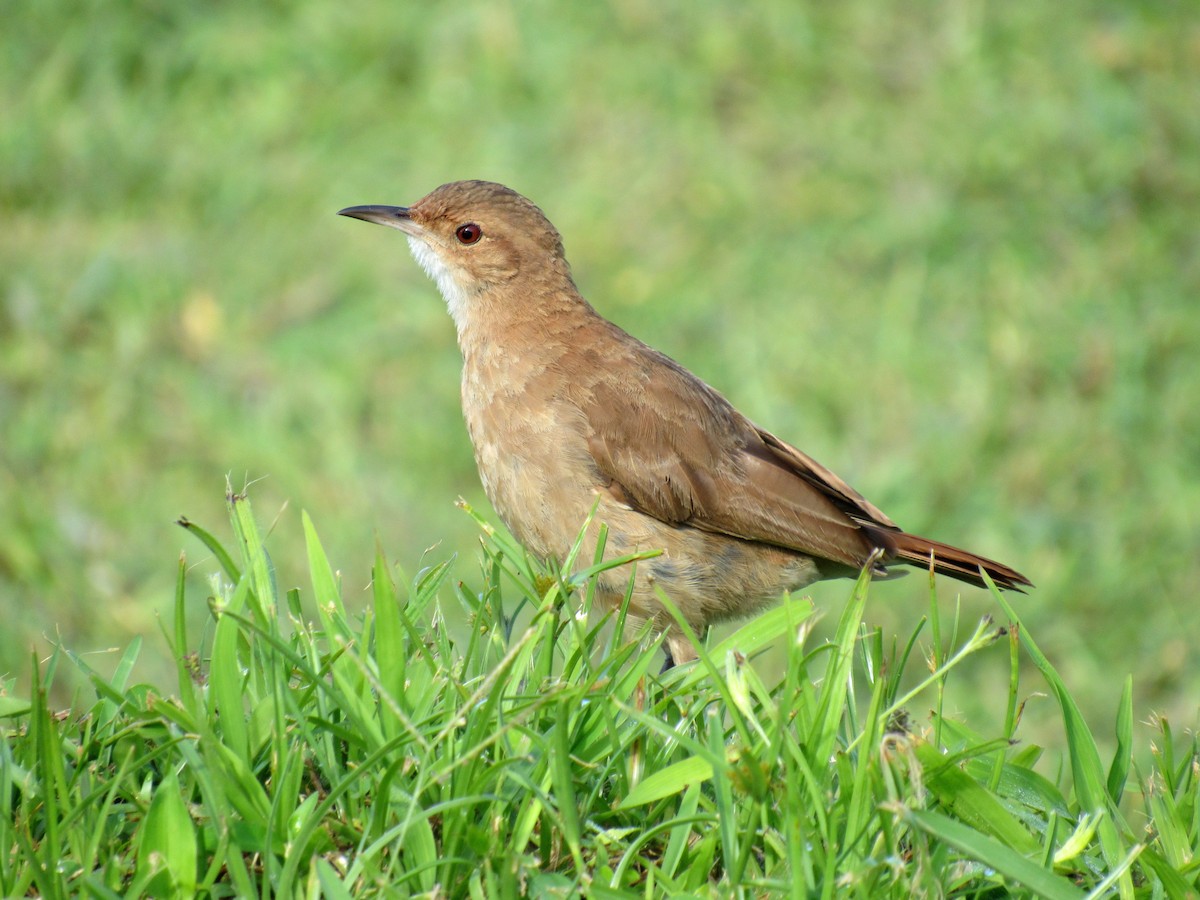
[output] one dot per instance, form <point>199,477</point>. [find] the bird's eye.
<point>469,233</point>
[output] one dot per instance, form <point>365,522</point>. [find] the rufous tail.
<point>912,549</point>
<point>953,562</point>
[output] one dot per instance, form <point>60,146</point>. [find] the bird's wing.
<point>804,466</point>
<point>672,447</point>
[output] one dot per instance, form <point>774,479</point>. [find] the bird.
<point>571,416</point>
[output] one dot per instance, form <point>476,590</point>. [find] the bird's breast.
<point>529,445</point>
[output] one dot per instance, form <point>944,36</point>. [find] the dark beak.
<point>392,216</point>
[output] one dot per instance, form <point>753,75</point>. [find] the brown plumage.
<point>565,409</point>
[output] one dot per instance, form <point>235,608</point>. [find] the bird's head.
<point>476,237</point>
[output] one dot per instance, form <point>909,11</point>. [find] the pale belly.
<point>538,474</point>
<point>709,577</point>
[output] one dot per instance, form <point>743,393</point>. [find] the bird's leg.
<point>678,649</point>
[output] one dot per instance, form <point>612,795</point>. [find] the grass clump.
<point>304,751</point>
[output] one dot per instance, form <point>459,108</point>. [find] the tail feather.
<point>947,560</point>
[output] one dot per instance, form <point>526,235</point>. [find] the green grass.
<point>949,250</point>
<point>303,750</point>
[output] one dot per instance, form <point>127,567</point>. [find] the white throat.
<point>456,299</point>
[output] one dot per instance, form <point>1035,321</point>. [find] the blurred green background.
<point>950,249</point>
